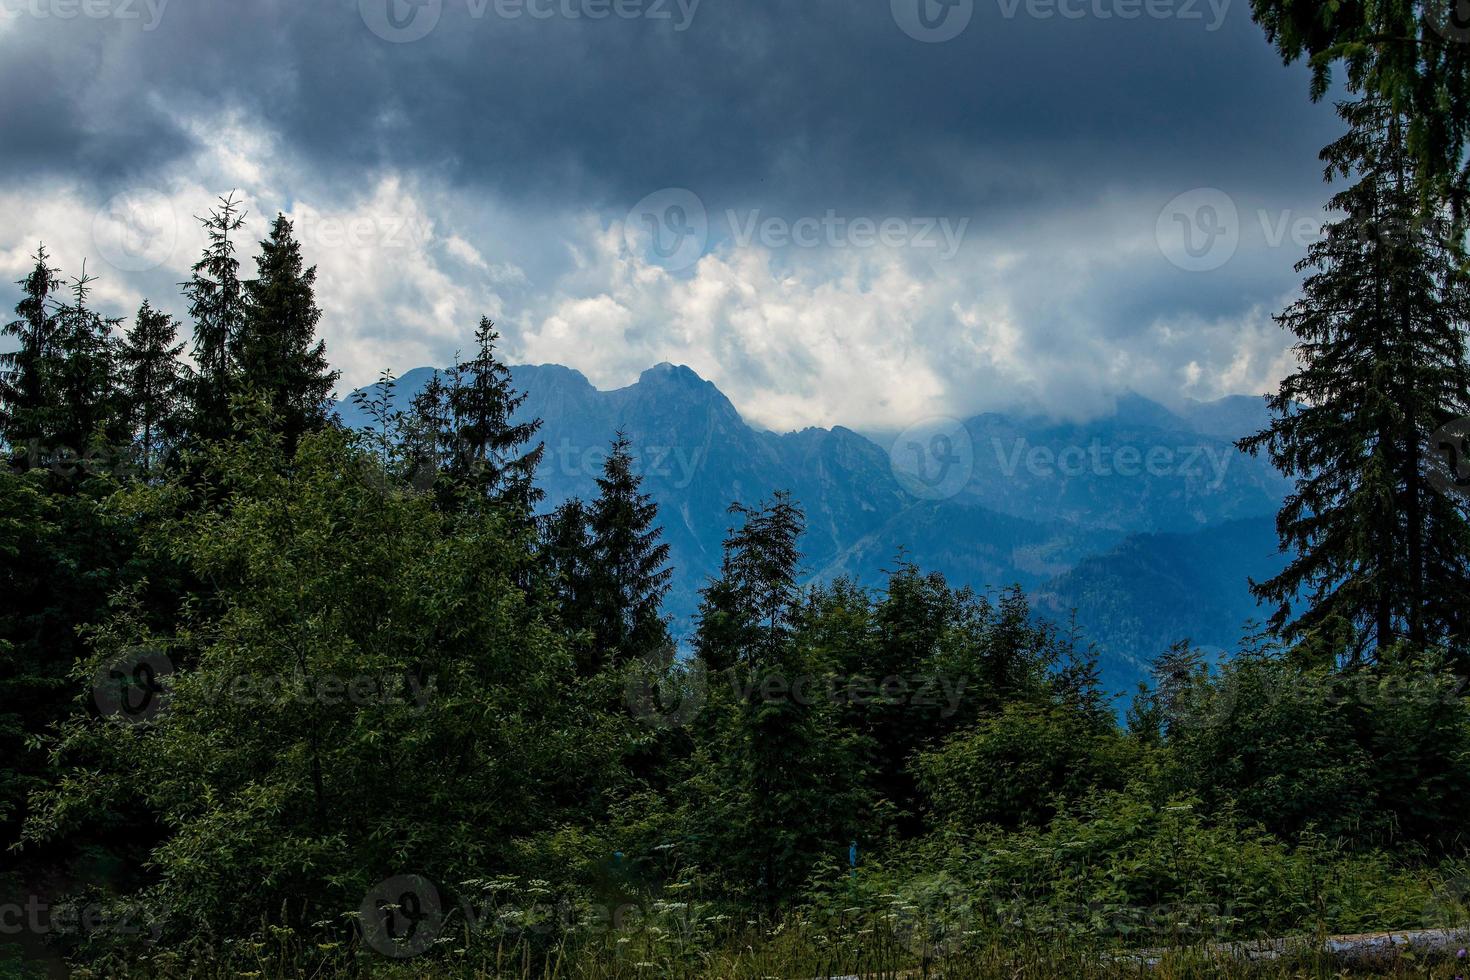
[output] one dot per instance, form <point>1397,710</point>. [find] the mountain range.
<point>1142,526</point>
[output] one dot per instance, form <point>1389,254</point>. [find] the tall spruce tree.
<point>217,306</point>
<point>1377,556</point>
<point>153,386</point>
<point>89,417</point>
<point>629,562</point>
<point>428,435</point>
<point>29,374</point>
<point>277,351</point>
<point>776,781</point>
<point>749,612</point>
<point>489,454</point>
<point>567,559</point>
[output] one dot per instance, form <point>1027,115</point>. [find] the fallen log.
<point>1361,950</point>
<point>1365,950</point>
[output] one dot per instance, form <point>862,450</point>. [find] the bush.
<point>1371,757</point>
<point>1017,767</point>
<point>1119,867</point>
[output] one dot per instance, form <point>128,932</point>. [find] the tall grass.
<point>793,950</point>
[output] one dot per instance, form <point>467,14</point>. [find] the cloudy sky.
<point>841,211</point>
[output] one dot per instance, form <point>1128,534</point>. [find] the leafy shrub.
<point>1119,867</point>
<point>1371,757</point>
<point>1015,768</point>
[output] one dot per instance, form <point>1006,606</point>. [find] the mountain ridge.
<point>1116,510</point>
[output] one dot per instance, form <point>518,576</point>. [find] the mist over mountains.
<point>1146,524</point>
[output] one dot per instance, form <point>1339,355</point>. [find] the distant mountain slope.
<point>1144,469</point>
<point>1151,590</point>
<point>1072,512</point>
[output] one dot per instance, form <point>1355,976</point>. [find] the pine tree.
<point>568,561</point>
<point>217,306</point>
<point>1174,673</point>
<point>776,781</point>
<point>28,375</point>
<point>630,573</point>
<point>748,613</point>
<point>153,384</point>
<point>1377,555</point>
<point>89,416</point>
<point>277,351</point>
<point>488,455</point>
<point>1411,54</point>
<point>428,434</point>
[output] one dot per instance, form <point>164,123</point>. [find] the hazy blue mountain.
<point>1138,519</point>
<point>1137,598</point>
<point>1229,417</point>
<point>1143,469</point>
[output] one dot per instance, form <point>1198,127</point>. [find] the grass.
<point>795,950</point>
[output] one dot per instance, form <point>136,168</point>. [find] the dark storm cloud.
<point>1049,134</point>
<point>55,116</point>
<point>793,106</point>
